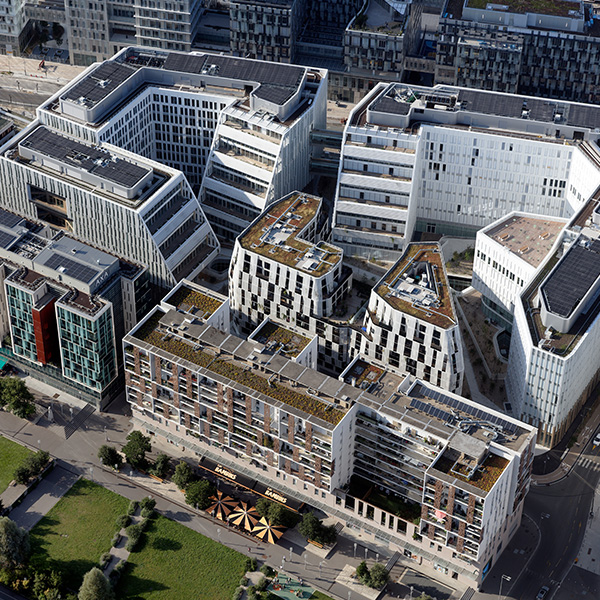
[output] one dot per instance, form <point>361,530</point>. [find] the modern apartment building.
<point>507,255</point>
<point>65,306</point>
<point>451,160</point>
<point>410,323</point>
<point>521,48</point>
<point>282,269</point>
<point>253,415</point>
<point>554,361</point>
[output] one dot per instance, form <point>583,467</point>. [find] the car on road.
<point>542,593</point>
<point>596,441</point>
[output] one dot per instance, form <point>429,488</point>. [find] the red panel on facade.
<point>46,333</point>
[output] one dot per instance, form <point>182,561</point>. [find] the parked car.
<point>542,593</point>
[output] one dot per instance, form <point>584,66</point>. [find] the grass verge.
<point>11,456</point>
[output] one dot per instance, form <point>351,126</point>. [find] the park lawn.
<point>11,456</point>
<point>77,531</point>
<point>173,562</point>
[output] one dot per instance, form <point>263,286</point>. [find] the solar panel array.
<point>8,219</point>
<point>572,278</point>
<point>473,411</point>
<point>89,158</point>
<point>6,239</point>
<point>429,409</point>
<point>72,268</point>
<point>111,74</point>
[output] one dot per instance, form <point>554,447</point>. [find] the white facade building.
<point>554,360</point>
<point>410,324</point>
<point>238,129</point>
<point>451,160</point>
<point>507,255</point>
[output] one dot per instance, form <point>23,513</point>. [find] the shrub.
<point>251,564</point>
<point>244,581</point>
<point>31,467</point>
<point>134,533</point>
<point>22,475</point>
<point>147,513</point>
<point>144,523</point>
<point>262,584</point>
<point>239,592</point>
<point>133,506</point>
<point>267,570</point>
<point>147,502</point>
<point>123,521</point>
<point>116,539</point>
<point>104,560</point>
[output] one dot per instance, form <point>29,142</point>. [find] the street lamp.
<point>305,559</point>
<point>291,553</point>
<point>503,578</point>
<point>219,534</point>
<point>366,553</point>
<point>320,569</point>
<point>349,594</point>
<point>411,592</point>
<point>355,544</point>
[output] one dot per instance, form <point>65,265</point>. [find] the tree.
<point>379,576</point>
<point>95,586</point>
<point>15,395</point>
<point>276,513</point>
<point>14,544</point>
<point>161,466</point>
<point>199,494</point>
<point>135,449</point>
<point>183,475</point>
<point>313,529</point>
<point>110,456</point>
<point>362,572</point>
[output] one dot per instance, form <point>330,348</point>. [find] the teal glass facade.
<point>87,347</point>
<point>20,304</point>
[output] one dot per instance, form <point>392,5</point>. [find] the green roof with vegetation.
<point>305,207</point>
<point>559,8</point>
<point>292,343</point>
<point>152,333</point>
<point>185,298</point>
<point>443,315</point>
<point>484,477</point>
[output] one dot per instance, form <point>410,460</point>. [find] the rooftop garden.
<point>442,316</point>
<point>363,371</point>
<point>558,8</point>
<point>153,333</point>
<point>293,343</point>
<point>186,297</point>
<point>485,475</point>
<point>292,251</point>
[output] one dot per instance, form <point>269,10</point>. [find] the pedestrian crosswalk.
<point>588,463</point>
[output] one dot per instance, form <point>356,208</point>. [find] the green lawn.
<point>77,531</point>
<point>11,456</point>
<point>175,563</point>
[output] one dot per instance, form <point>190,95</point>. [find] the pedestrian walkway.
<point>39,501</point>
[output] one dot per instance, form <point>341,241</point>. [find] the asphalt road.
<point>561,512</point>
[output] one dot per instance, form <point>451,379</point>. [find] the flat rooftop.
<point>229,358</point>
<point>530,238</point>
<point>401,99</point>
<point>417,285</point>
<point>572,278</point>
<point>92,159</point>
<point>199,304</point>
<point>277,235</point>
<point>277,338</point>
<point>559,8</point>
<point>276,82</point>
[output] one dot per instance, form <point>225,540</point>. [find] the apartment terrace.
<point>483,476</point>
<point>276,337</point>
<point>276,235</point>
<point>559,8</point>
<point>364,374</point>
<point>435,307</point>
<point>158,334</point>
<point>194,302</point>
